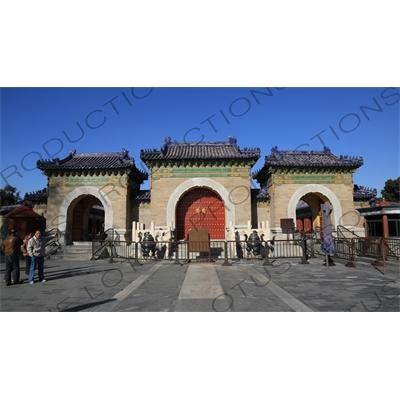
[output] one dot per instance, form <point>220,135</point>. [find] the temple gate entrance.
<point>308,212</point>
<point>201,208</point>
<point>86,214</point>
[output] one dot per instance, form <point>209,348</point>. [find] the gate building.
<point>199,185</point>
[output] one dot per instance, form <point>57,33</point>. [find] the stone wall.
<point>112,191</point>
<point>284,199</point>
<point>237,197</point>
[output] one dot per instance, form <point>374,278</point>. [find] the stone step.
<point>77,251</point>
<point>71,256</point>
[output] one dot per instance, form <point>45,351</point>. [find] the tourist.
<point>36,249</point>
<point>11,247</point>
<point>24,249</point>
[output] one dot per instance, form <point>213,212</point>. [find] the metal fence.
<point>380,249</point>
<point>393,248</point>
<point>377,248</point>
<point>53,246</point>
<point>195,251</point>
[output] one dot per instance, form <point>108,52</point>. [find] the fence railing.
<point>380,249</point>
<point>53,246</point>
<point>368,247</point>
<point>393,248</point>
<point>343,232</point>
<point>302,248</point>
<point>186,251</point>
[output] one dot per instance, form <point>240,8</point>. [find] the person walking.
<point>11,247</point>
<point>24,249</point>
<point>36,249</point>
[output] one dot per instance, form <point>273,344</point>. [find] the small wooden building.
<point>24,220</point>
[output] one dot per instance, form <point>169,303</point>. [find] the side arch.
<point>315,188</point>
<point>85,191</point>
<point>200,182</point>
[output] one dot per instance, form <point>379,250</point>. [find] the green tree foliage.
<point>391,191</point>
<point>9,196</point>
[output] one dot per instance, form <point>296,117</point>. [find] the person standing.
<point>11,247</point>
<point>24,249</point>
<point>36,249</point>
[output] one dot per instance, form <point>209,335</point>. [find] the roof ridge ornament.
<point>166,143</point>
<point>125,153</point>
<point>363,189</point>
<point>232,140</point>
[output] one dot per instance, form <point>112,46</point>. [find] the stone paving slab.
<point>245,286</point>
<point>73,285</point>
<point>124,293</point>
<point>220,304</point>
<point>246,294</point>
<point>201,282</point>
<point>339,288</point>
<point>159,292</point>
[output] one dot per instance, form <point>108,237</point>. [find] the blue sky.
<point>43,123</point>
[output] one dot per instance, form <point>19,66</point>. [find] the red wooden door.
<point>299,224</point>
<point>307,224</point>
<point>201,208</point>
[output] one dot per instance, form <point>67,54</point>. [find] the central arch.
<point>200,208</point>
<point>200,183</point>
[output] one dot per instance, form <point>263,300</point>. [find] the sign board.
<point>199,240</point>
<point>287,225</point>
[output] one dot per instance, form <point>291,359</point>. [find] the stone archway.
<point>85,216</point>
<point>200,182</point>
<point>315,188</point>
<point>85,191</point>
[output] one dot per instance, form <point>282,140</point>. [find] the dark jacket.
<point>11,245</point>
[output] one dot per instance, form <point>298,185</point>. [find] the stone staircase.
<point>77,251</point>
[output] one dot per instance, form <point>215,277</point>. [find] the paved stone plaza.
<point>100,286</point>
